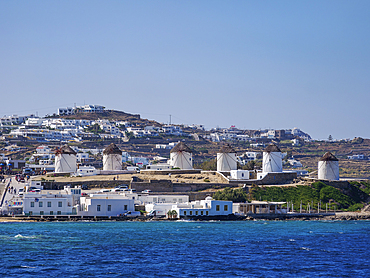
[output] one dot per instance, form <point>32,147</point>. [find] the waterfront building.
<point>207,207</point>
<point>259,207</point>
<point>328,167</point>
<point>181,157</point>
<point>226,159</point>
<point>64,202</point>
<point>106,205</point>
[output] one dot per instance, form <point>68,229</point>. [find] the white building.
<point>60,203</point>
<point>86,171</point>
<point>239,174</point>
<point>181,157</point>
<point>272,159</point>
<point>226,159</point>
<point>328,167</point>
<point>65,160</point>
<point>207,207</point>
<point>112,158</point>
<point>106,205</point>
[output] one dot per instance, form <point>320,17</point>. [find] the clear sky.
<point>253,64</point>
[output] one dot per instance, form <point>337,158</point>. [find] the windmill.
<point>272,159</point>
<point>65,160</point>
<point>226,159</point>
<point>181,157</point>
<point>112,158</point>
<point>328,167</point>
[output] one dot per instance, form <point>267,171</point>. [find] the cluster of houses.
<point>125,202</point>
<point>235,134</point>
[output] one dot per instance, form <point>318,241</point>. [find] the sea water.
<point>186,249</point>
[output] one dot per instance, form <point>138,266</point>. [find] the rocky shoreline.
<point>340,216</point>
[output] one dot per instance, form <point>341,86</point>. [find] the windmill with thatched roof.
<point>226,159</point>
<point>181,157</point>
<point>112,158</point>
<point>272,161</point>
<point>328,167</point>
<point>65,160</point>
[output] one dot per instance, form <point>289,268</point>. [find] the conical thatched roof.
<point>226,148</point>
<point>181,147</point>
<point>328,157</point>
<point>272,148</point>
<point>112,149</point>
<point>65,150</point>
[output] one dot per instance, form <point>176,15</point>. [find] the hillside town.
<point>81,162</point>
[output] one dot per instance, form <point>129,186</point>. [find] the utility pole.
<point>170,119</point>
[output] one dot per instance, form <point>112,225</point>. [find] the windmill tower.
<point>112,158</point>
<point>65,160</point>
<point>181,157</point>
<point>272,159</point>
<point>328,167</point>
<point>226,159</point>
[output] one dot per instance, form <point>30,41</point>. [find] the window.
<point>98,208</point>
<point>125,207</point>
<point>41,213</point>
<point>217,207</point>
<point>40,204</point>
<point>196,212</point>
<point>51,212</point>
<point>32,204</point>
<point>201,212</point>
<point>60,204</point>
<point>185,212</point>
<point>225,208</point>
<point>49,204</point>
<point>207,212</point>
<point>30,212</point>
<point>109,208</point>
<point>59,212</point>
<point>191,212</point>
<point>180,200</point>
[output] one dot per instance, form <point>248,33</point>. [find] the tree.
<point>228,194</point>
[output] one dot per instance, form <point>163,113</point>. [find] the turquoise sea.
<point>186,249</point>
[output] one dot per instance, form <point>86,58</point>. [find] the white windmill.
<point>65,160</point>
<point>272,159</point>
<point>226,159</point>
<point>181,157</point>
<point>112,158</point>
<point>328,167</point>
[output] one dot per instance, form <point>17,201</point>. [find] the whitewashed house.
<point>64,202</point>
<point>106,205</point>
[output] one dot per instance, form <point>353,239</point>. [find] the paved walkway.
<point>9,183</point>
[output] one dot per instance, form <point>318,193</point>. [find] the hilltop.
<point>111,115</point>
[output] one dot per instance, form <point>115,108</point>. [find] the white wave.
<point>21,236</point>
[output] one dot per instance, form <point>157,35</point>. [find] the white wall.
<point>239,174</point>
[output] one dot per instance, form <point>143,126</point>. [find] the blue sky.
<point>253,64</point>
